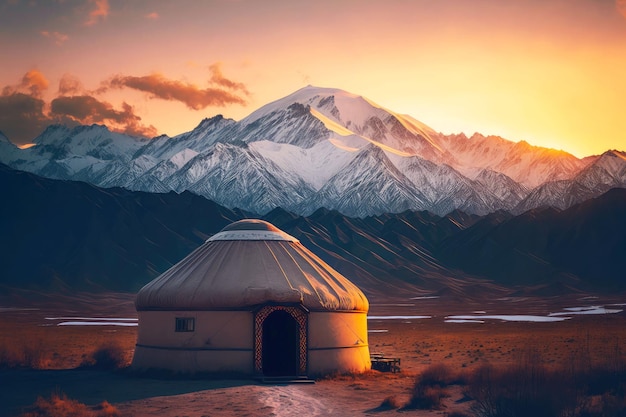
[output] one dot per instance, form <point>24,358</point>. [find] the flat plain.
<point>42,353</point>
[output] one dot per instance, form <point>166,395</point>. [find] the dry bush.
<point>438,374</point>
<point>58,405</point>
<point>108,356</point>
<point>531,388</point>
<point>430,388</point>
<point>427,398</point>
<point>390,403</point>
<point>106,409</point>
<point>32,355</point>
<point>522,392</point>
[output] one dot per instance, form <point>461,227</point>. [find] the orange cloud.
<point>24,114</point>
<point>70,85</point>
<point>152,16</point>
<point>100,12</point>
<point>157,86</point>
<point>218,78</point>
<point>33,83</point>
<point>88,110</point>
<point>58,37</point>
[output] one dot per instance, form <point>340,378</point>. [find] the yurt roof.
<point>249,263</point>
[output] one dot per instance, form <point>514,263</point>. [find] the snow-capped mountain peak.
<point>325,147</point>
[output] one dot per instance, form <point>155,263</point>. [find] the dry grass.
<point>58,405</point>
<point>24,354</point>
<point>585,349</point>
<point>579,388</point>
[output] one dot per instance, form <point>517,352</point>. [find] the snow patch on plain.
<point>586,310</point>
<point>463,321</point>
<point>510,317</point>
<point>97,323</point>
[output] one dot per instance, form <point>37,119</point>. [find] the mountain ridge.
<point>73,235</point>
<point>296,151</point>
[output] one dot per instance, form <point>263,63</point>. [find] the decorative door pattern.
<point>300,317</point>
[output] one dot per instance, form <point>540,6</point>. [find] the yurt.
<point>252,300</point>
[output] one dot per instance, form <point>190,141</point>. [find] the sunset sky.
<point>551,72</point>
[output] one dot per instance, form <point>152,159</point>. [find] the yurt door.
<point>280,345</point>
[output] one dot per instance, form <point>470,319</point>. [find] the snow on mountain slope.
<point>294,125</point>
<point>159,172</point>
<point>235,176</point>
<point>603,173</point>
<point>60,152</point>
<point>94,140</point>
<point>324,147</point>
<point>67,167</point>
<point>608,170</point>
<point>446,188</point>
<point>557,194</point>
<point>357,140</point>
<point>314,165</point>
<point>199,139</point>
<point>347,114</point>
<point>369,184</point>
<point>503,188</point>
<point>526,164</point>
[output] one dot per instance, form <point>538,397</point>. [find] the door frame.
<point>300,314</point>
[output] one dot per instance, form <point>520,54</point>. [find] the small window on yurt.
<point>185,324</point>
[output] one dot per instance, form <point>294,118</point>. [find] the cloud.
<point>24,114</point>
<point>22,117</point>
<point>218,78</point>
<point>33,83</point>
<point>152,16</point>
<point>58,37</point>
<point>85,109</point>
<point>157,86</point>
<point>70,85</point>
<point>100,12</point>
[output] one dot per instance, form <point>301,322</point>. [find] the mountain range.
<point>325,148</point>
<point>70,235</point>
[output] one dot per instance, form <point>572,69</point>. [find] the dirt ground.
<point>29,329</point>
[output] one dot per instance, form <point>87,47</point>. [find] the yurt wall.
<point>220,341</point>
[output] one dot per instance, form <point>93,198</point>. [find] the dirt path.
<point>293,401</point>
<point>250,400</point>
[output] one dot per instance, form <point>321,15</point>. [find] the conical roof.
<point>248,263</point>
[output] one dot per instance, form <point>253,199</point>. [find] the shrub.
<point>109,356</point>
<point>390,403</point>
<point>58,405</point>
<point>106,409</point>
<point>430,388</point>
<point>427,398</point>
<point>437,374</point>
